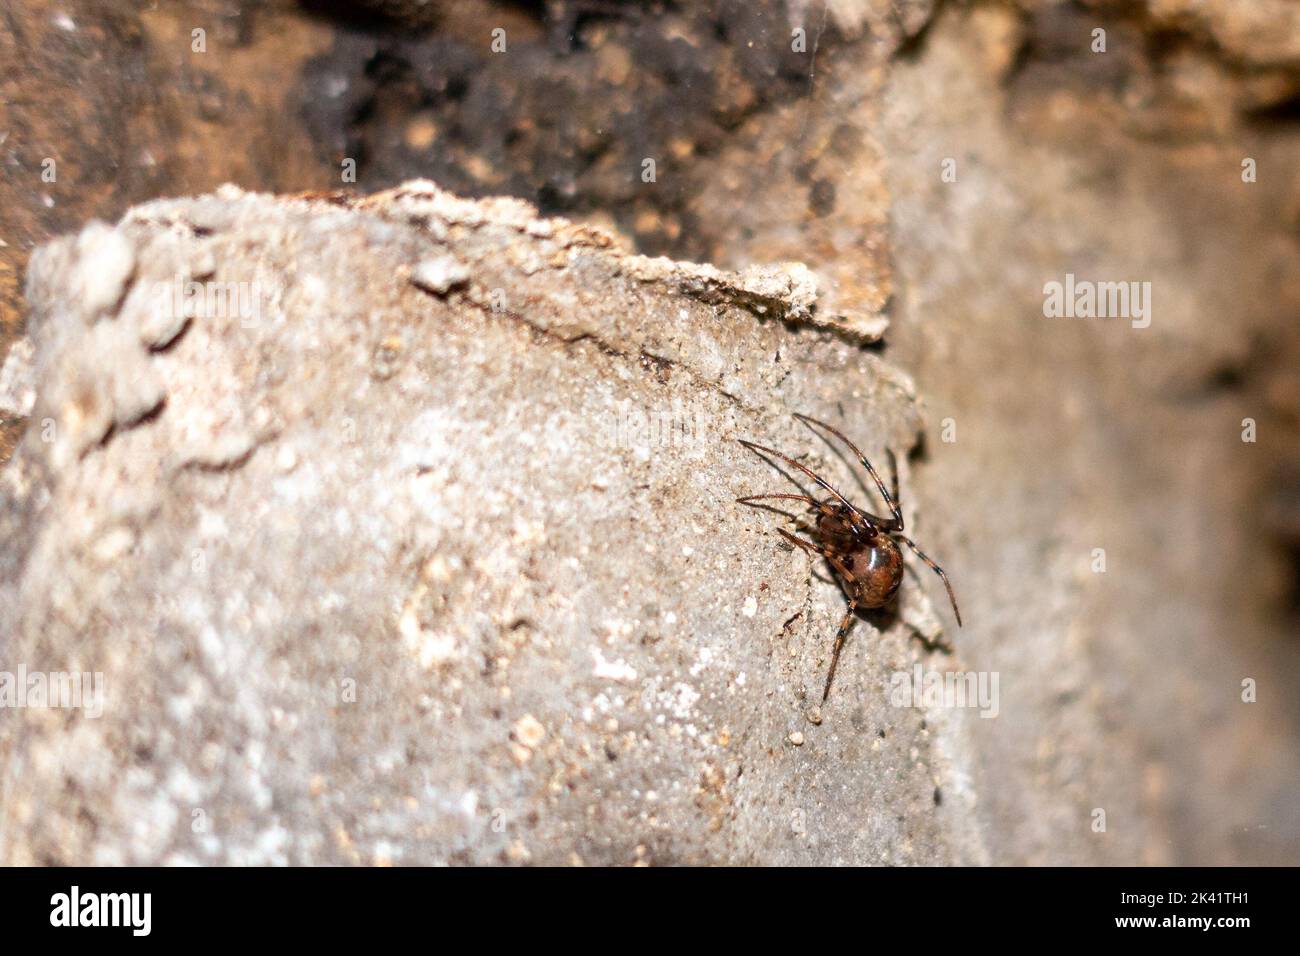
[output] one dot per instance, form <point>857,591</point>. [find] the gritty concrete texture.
<point>379,569</point>
<point>1043,440</point>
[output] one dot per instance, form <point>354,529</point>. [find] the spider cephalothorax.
<point>860,546</point>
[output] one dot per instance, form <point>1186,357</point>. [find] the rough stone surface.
<point>1121,691</point>
<point>379,576</point>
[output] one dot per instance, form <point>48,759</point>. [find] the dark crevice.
<point>1283,112</point>
<point>557,127</point>
<point>910,48</point>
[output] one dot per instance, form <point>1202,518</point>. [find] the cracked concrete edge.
<point>786,291</point>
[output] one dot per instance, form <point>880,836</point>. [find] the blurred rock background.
<point>1122,689</point>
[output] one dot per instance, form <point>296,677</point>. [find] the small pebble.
<point>439,275</point>
<point>286,459</point>
<point>529,731</point>
<point>796,738</point>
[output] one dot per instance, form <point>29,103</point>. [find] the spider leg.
<point>890,502</point>
<point>807,471</point>
<point>821,506</point>
<point>845,624</point>
<point>893,470</point>
<point>840,635</point>
<point>806,545</point>
<point>936,569</point>
<point>748,499</point>
<point>843,632</point>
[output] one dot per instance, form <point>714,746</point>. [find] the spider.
<point>861,547</point>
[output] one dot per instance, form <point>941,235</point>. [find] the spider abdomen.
<point>877,570</point>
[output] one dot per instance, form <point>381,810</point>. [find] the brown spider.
<point>860,546</point>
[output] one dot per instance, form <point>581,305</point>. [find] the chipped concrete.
<point>379,576</point>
